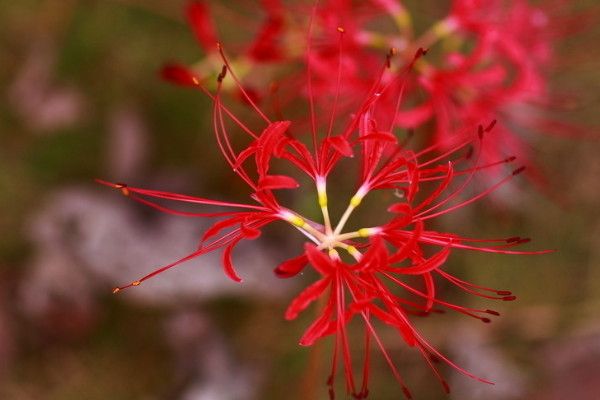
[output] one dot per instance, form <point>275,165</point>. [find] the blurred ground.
<point>81,99</point>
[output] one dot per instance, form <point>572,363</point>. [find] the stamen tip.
<point>123,187</point>
<point>491,125</point>
<point>329,381</point>
<point>222,75</point>
<point>340,29</point>
<point>518,170</point>
<point>446,387</point>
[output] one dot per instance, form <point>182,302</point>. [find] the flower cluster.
<point>384,272</point>
<point>490,61</point>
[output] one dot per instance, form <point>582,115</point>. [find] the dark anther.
<point>446,387</point>
<point>518,170</point>
<point>490,126</point>
<point>222,74</point>
<point>469,153</point>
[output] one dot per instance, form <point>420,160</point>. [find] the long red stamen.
<point>240,86</point>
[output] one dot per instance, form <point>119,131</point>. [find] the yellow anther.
<point>402,19</point>
<point>124,188</point>
<point>323,199</point>
<point>297,221</point>
<point>364,232</point>
<point>340,29</point>
<point>353,251</point>
<point>442,28</point>
<point>333,253</point>
<point>116,290</point>
<point>377,41</point>
<point>223,73</point>
<point>136,283</point>
<point>355,200</point>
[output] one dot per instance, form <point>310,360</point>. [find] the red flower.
<point>492,61</point>
<point>263,49</point>
<point>360,270</point>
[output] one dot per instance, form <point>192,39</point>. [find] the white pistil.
<point>361,233</point>
<point>354,253</point>
<point>322,198</point>
<point>334,255</point>
<point>330,240</point>
<point>303,226</point>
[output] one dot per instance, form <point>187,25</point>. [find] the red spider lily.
<point>506,71</point>
<point>265,48</point>
<point>362,272</point>
<point>494,64</point>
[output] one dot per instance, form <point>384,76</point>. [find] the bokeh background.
<point>81,98</point>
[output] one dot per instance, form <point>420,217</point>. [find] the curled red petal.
<point>266,47</point>
<point>228,264</point>
<point>306,297</point>
<point>220,225</point>
<point>380,136</point>
<point>291,267</point>
<point>318,260</point>
<point>268,144</point>
<point>430,264</point>
<point>318,328</point>
<point>413,185</point>
<point>430,287</point>
<point>376,256</point>
<point>269,182</point>
<point>341,145</point>
<point>179,75</point>
<point>201,22</point>
<point>400,208</point>
<point>249,232</point>
<point>397,321</point>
